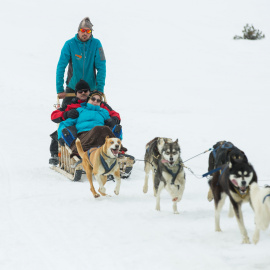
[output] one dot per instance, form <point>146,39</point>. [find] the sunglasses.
<point>83,91</point>
<point>96,99</point>
<point>88,31</point>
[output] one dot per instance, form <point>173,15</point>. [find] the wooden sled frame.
<point>73,170</point>
<point>67,166</point>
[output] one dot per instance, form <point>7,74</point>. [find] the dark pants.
<point>92,138</point>
<point>54,144</point>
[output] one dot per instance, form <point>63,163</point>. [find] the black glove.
<point>118,128</point>
<point>71,114</point>
<point>61,141</point>
<point>111,122</point>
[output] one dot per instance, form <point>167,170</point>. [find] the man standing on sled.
<point>85,58</point>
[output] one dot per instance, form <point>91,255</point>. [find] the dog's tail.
<point>79,147</point>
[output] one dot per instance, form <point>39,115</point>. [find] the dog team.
<point>231,175</point>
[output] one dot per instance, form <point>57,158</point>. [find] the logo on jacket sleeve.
<point>101,54</point>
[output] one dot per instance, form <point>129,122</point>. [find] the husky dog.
<point>222,152</point>
<point>152,154</point>
<point>170,173</point>
<point>233,180</point>
<point>260,198</point>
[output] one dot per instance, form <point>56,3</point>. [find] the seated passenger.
<point>89,124</point>
<point>82,91</point>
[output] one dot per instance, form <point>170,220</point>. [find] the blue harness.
<point>103,162</point>
<point>266,197</point>
<point>105,165</point>
<point>226,145</point>
<point>174,175</point>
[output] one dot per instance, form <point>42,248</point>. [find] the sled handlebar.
<point>57,105</point>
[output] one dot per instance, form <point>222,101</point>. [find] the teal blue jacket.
<point>90,116</point>
<point>86,61</point>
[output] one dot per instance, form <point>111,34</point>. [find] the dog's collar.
<point>242,196</point>
<point>108,156</point>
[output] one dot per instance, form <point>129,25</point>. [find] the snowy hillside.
<point>173,70</point>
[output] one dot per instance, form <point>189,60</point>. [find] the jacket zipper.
<point>83,59</point>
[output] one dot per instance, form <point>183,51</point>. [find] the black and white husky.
<point>233,180</point>
<point>260,199</point>
<point>169,172</point>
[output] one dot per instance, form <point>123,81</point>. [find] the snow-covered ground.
<point>174,70</point>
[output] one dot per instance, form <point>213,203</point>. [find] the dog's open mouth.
<point>243,189</point>
<point>115,152</point>
<point>171,163</point>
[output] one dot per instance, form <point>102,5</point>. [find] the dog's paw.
<point>116,192</point>
<point>245,240</point>
<point>96,195</point>
<point>255,239</point>
<point>158,208</point>
<point>210,195</point>
<point>176,212</point>
<point>145,189</point>
<point>102,193</point>
<point>218,230</point>
<point>256,236</point>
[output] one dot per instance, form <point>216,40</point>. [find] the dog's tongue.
<point>234,182</point>
<point>164,161</point>
<point>115,151</point>
<point>243,188</point>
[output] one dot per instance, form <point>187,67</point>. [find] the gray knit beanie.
<point>85,23</point>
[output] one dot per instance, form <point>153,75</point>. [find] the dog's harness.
<point>105,165</point>
<point>89,152</point>
<point>174,175</point>
<point>224,145</point>
<point>103,162</point>
<point>268,195</point>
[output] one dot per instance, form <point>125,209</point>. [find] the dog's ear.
<point>231,161</point>
<point>160,144</point>
<point>176,141</point>
<point>245,159</point>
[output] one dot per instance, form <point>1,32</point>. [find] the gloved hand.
<point>61,141</point>
<point>111,122</point>
<point>118,128</point>
<point>71,114</point>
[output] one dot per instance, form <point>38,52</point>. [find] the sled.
<point>72,168</point>
<point>69,167</point>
